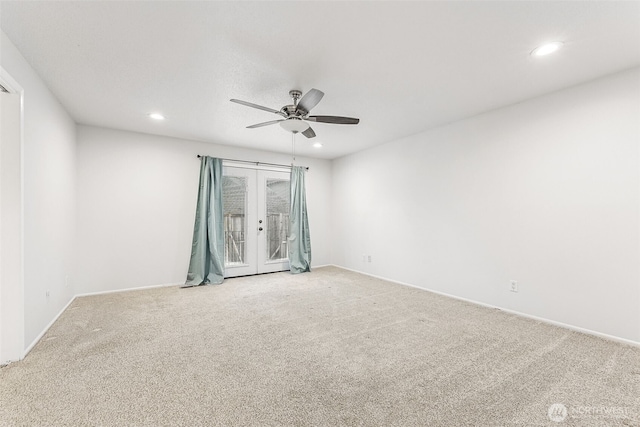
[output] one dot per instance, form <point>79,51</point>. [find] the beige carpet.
<point>326,348</point>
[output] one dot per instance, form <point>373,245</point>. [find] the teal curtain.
<point>299,240</point>
<point>207,250</point>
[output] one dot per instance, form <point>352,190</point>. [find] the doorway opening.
<point>256,220</point>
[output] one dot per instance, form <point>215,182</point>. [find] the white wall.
<point>545,192</point>
<point>49,195</point>
<point>11,282</point>
<point>136,206</point>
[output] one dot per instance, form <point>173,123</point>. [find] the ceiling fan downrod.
<point>290,110</point>
<point>295,95</point>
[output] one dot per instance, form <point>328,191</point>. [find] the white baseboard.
<point>113,291</point>
<point>44,331</point>
<point>506,310</point>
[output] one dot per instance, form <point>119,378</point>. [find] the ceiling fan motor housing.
<point>289,110</point>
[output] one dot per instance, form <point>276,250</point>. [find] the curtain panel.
<point>299,239</point>
<point>207,249</point>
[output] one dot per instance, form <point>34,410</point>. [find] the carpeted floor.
<point>327,348</point>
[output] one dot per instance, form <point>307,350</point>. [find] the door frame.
<point>264,264</point>
<point>248,267</point>
<point>255,261</point>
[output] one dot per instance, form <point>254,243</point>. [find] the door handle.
<point>259,228</point>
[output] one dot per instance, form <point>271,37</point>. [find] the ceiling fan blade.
<point>259,107</point>
<point>309,133</point>
<point>259,125</point>
<point>309,100</point>
<point>334,119</point>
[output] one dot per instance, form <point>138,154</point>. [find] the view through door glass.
<point>278,195</point>
<point>239,212</point>
<point>234,202</point>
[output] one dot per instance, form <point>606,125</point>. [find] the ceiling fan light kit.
<point>296,115</point>
<point>294,125</point>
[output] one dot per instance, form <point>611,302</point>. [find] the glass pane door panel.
<point>256,220</point>
<point>277,219</point>
<point>234,201</point>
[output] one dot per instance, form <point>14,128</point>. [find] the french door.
<point>256,220</point>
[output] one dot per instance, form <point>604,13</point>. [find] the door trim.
<point>255,224</point>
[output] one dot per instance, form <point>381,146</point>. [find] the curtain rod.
<point>257,163</point>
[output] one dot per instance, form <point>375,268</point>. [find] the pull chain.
<point>293,148</point>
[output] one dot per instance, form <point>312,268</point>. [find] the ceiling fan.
<point>296,116</point>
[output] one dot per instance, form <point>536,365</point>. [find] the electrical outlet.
<point>514,286</point>
<point>48,293</point>
<point>369,258</point>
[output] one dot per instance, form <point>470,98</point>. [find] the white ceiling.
<point>401,67</point>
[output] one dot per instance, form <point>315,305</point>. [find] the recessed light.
<point>156,116</point>
<point>317,145</point>
<point>546,49</point>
